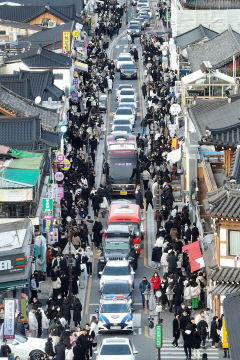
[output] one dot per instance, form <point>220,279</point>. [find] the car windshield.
<point>114,308</point>
<point>116,271</point>
<point>125,59</point>
<point>116,246</point>
<point>129,66</point>
<point>115,288</point>
<point>123,112</point>
<point>124,87</point>
<point>123,122</point>
<point>114,349</point>
<point>127,92</point>
<point>131,100</point>
<point>132,226</point>
<point>123,128</point>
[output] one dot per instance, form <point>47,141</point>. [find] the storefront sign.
<point>52,191</point>
<point>47,224</point>
<point>60,157</point>
<point>5,265</point>
<point>66,41</point>
<point>47,204</point>
<point>75,34</point>
<point>15,195</point>
<point>9,318</point>
<point>65,165</point>
<point>59,176</point>
<point>175,109</point>
<point>60,192</point>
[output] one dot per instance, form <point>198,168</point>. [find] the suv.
<point>115,249</point>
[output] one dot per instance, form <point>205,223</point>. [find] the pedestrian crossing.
<point>169,352</point>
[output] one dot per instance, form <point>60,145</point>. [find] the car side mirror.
<point>132,272</point>
<point>100,272</point>
<point>135,352</point>
<point>95,352</point>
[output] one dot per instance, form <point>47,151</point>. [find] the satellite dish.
<point>38,100</point>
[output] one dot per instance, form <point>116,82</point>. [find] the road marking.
<point>89,284</point>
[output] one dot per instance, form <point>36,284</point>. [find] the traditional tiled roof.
<point>29,12</point>
<point>27,108</point>
<point>219,50</point>
<point>225,274</point>
<point>25,134</point>
<point>30,84</point>
<point>224,202</point>
<point>212,4</point>
<point>217,120</point>
<point>77,3</point>
<point>41,58</point>
<point>46,37</point>
<point>192,36</point>
<point>19,25</point>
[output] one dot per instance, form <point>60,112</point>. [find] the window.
<point>233,243</point>
<point>58,76</point>
<point>2,32</point>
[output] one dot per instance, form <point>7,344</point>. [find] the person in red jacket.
<point>156,281</point>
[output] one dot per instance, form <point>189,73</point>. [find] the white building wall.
<point>183,20</point>
<point>10,68</point>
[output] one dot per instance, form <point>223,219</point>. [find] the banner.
<point>9,318</point>
<point>40,245</point>
<point>47,224</point>
<point>66,41</point>
<point>15,195</point>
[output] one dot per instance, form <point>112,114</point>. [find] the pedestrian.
<point>204,356</point>
<point>97,232</point>
<point>33,324</point>
<point>83,342</point>
<point>60,350</point>
<point>45,324</point>
<point>129,39</point>
<point>77,309</point>
<point>66,310</point>
<point>176,330</point>
<point>20,328</point>
<point>89,260</point>
<point>132,38</point>
<point>5,349</point>
<point>149,198</point>
<point>146,177</point>
<point>143,287</point>
<point>49,347</point>
<point>188,342</point>
<point>94,327</point>
<point>155,281</point>
<point>196,344</point>
<point>69,353</point>
<point>33,287</point>
<point>214,333</point>
<point>202,328</point>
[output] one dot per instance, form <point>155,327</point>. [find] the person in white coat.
<point>69,353</point>
<point>110,84</point>
<point>33,324</point>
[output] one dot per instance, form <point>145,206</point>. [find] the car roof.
<point>109,282</point>
<point>115,340</point>
<point>125,85</point>
<point>117,263</point>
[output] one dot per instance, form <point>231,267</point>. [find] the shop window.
<point>14,209</point>
<point>2,32</point>
<point>233,243</point>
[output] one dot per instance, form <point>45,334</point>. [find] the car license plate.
<point>123,192</point>
<point>115,327</point>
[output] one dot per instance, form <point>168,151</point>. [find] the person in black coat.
<point>83,342</point>
<point>49,347</point>
<point>172,263</point>
<point>77,308</point>
<point>184,321</point>
<point>188,342</point>
<point>149,198</point>
<point>196,344</point>
<point>214,331</point>
<point>195,232</point>
<point>177,296</point>
<point>66,307</point>
<point>60,351</point>
<point>176,330</point>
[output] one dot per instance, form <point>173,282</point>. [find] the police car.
<point>115,314</point>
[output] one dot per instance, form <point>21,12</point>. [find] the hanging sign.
<point>47,224</point>
<point>59,176</point>
<point>66,41</point>
<point>60,157</point>
<point>9,318</point>
<point>47,204</point>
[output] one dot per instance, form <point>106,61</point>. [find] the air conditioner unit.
<point>51,23</point>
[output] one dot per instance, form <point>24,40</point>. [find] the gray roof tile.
<point>219,50</point>
<point>192,36</point>
<point>78,3</point>
<point>213,4</point>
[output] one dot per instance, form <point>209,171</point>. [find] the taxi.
<point>115,314</point>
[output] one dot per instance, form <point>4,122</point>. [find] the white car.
<point>127,93</point>
<point>117,348</point>
<point>115,315</point>
<point>128,100</point>
<point>140,5</point>
<point>124,113</point>
<point>146,9</point>
<point>129,106</point>
<point>120,270</point>
<point>123,59</point>
<point>121,87</point>
<point>121,122</point>
<point>23,347</point>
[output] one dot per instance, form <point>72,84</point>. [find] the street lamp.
<point>159,326</point>
<point>69,220</point>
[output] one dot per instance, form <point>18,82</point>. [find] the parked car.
<point>117,348</point>
<point>123,59</point>
<point>134,29</point>
<point>128,71</point>
<point>128,100</point>
<point>103,102</point>
<point>121,87</point>
<point>129,106</point>
<point>27,348</point>
<point>124,113</point>
<point>126,93</point>
<point>122,122</point>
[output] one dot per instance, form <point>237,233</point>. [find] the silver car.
<point>121,122</point>
<point>127,93</point>
<point>128,100</point>
<point>121,87</point>
<point>124,113</point>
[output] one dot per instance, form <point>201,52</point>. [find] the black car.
<point>128,71</point>
<point>114,288</point>
<point>113,249</point>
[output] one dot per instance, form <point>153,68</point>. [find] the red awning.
<point>195,255</point>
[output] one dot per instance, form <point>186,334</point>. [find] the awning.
<point>13,285</point>
<point>195,255</point>
<point>29,177</point>
<point>225,289</point>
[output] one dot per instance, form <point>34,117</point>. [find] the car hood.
<point>129,70</point>
<point>110,357</point>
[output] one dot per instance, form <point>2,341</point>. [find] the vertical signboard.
<point>47,224</point>
<point>9,318</point>
<point>66,41</point>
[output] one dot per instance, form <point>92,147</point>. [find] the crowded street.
<point>117,259</point>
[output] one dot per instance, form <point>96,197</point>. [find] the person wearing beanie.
<point>204,356</point>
